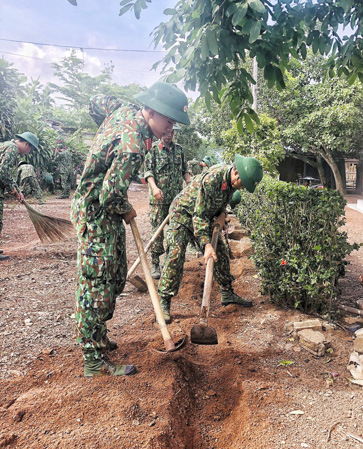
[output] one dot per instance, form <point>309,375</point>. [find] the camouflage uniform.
<point>191,219</point>
<point>97,208</point>
<point>47,182</point>
<point>168,167</point>
<point>27,182</point>
<point>65,167</point>
<point>194,167</point>
<point>9,155</point>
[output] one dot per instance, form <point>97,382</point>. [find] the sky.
<point>92,23</point>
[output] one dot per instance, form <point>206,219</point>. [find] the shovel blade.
<point>203,335</point>
<point>139,283</point>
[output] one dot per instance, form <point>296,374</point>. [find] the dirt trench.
<point>232,395</point>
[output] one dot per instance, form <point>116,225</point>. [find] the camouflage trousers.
<point>66,183</point>
<point>177,239</point>
<point>31,187</point>
<point>157,214</point>
<point>102,270</point>
<point>2,196</point>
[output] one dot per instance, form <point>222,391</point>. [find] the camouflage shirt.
<point>168,167</point>
<point>25,171</point>
<point>64,161</point>
<point>9,155</point>
<point>205,198</point>
<point>115,157</point>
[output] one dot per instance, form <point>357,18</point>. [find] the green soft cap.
<point>249,170</point>
<point>236,199</point>
<point>207,160</point>
<point>168,100</point>
<point>30,138</point>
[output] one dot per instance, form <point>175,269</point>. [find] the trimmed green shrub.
<point>298,246</point>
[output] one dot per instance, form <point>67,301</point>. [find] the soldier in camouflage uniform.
<point>65,168</point>
<point>165,169</point>
<point>191,220</point>
<point>27,181</point>
<point>47,182</point>
<point>100,204</point>
<point>9,154</point>
<point>196,167</point>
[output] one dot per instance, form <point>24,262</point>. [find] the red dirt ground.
<point>232,395</point>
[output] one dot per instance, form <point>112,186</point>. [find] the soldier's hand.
<point>158,194</point>
<point>127,217</point>
<point>221,220</point>
<point>19,196</point>
<point>209,252</point>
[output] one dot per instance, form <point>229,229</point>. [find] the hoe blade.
<point>203,335</point>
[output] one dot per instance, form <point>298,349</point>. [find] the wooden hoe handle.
<point>169,344</point>
<point>209,277</point>
<point>147,247</point>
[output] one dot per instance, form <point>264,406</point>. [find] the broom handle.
<point>204,313</point>
<point>147,247</point>
<point>169,344</point>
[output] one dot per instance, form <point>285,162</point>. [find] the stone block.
<point>358,344</point>
<point>315,325</point>
<point>355,366</point>
<point>313,341</point>
<point>242,248</point>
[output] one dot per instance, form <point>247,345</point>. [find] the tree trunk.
<point>321,170</point>
<point>329,159</point>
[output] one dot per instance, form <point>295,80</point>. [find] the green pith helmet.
<point>168,100</point>
<point>249,170</point>
<point>207,160</point>
<point>236,199</point>
<point>30,138</point>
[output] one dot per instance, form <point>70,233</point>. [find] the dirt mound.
<point>236,394</point>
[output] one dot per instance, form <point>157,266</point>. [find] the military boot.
<point>165,308</point>
<point>104,366</point>
<point>155,268</point>
<point>3,257</point>
<point>229,297</point>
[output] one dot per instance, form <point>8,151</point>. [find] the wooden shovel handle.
<point>169,344</point>
<point>209,276</point>
<point>148,246</point>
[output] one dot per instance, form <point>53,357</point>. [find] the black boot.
<point>229,297</point>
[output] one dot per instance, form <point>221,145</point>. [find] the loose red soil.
<point>232,395</point>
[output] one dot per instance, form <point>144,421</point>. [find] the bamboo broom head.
<point>50,229</point>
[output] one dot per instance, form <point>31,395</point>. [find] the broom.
<point>49,229</point>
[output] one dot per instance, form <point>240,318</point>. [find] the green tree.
<point>77,85</point>
<point>10,82</point>
<point>34,105</point>
<point>264,143</point>
<point>317,116</point>
<point>208,43</point>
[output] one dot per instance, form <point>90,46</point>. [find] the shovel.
<point>201,333</point>
<point>137,281</point>
<point>169,344</point>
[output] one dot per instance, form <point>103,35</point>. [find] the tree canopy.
<point>317,116</point>
<point>208,42</point>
